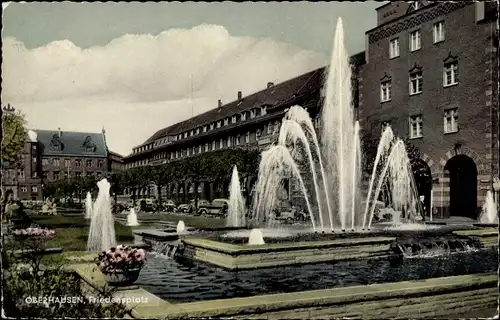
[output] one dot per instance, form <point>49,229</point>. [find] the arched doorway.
<point>423,180</point>
<point>463,186</point>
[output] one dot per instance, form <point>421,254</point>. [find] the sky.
<point>134,68</point>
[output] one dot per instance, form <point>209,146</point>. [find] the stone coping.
<point>233,249</point>
<point>133,296</point>
<point>486,232</point>
<point>315,298</point>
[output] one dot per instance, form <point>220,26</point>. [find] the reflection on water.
<point>175,281</point>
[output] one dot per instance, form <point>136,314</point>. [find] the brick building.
<point>53,155</point>
<point>431,73</point>
<point>248,122</point>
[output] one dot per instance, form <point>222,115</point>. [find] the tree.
<point>14,134</point>
<point>161,175</point>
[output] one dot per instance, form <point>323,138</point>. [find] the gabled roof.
<point>70,143</point>
<point>273,96</point>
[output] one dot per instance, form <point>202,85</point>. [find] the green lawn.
<point>72,232</point>
<point>190,221</point>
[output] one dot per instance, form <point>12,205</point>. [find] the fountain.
<point>236,212</point>
<point>489,214</point>
<point>88,206</point>
<point>256,238</point>
<point>181,227</point>
<point>132,218</point>
<point>102,228</point>
<point>334,162</point>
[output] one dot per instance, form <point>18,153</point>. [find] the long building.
<point>431,73</point>
<point>248,122</point>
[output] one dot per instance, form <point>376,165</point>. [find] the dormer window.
<point>212,126</point>
<point>185,134</point>
<point>263,110</point>
<point>233,119</point>
<point>257,112</point>
<point>192,133</point>
<point>198,130</point>
<point>219,124</point>
<point>252,114</point>
<point>226,121</point>
<point>243,116</point>
<point>205,128</point>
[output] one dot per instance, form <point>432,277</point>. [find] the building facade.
<point>248,122</point>
<point>51,155</point>
<point>431,73</point>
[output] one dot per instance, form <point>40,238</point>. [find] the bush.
<point>25,280</point>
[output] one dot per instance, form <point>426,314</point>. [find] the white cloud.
<point>137,84</point>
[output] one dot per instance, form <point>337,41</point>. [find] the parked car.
<point>192,205</point>
<point>217,207</point>
<point>183,208</point>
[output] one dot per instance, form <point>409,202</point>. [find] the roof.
<point>70,143</point>
<point>273,96</point>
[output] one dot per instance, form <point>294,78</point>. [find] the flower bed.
<point>34,232</point>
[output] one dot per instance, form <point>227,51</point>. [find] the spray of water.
<point>132,218</point>
<point>88,206</point>
<point>489,213</point>
<point>237,208</point>
<point>102,229</point>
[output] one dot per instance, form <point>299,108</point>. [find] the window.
<point>199,148</point>
<point>34,189</point>
<point>194,150</point>
<point>264,111</point>
<point>233,119</point>
<point>20,173</point>
<point>226,121</point>
<point>415,40</point>
<point>229,142</point>
<point>238,140</point>
<point>252,114</point>
<point>24,189</point>
<point>185,134</point>
<point>258,133</point>
<point>394,48</point>
<point>221,143</point>
<point>45,174</point>
<point>177,155</point>
<point>100,163</point>
<point>34,174</point>
<point>212,126</point>
<point>243,116</point>
<point>67,162</point>
<point>56,162</point>
<point>187,151</point>
<point>197,130</point>
<point>206,146</point>
<point>78,163</point>
<point>438,31</point>
<point>45,162</point>
<point>34,159</point>
<point>219,124</point>
<point>450,74</point>
<point>88,163</point>
<point>416,126</point>
<point>213,145</point>
<point>269,128</point>
<point>385,91</point>
<point>416,83</point>
<point>451,121</point>
<point>247,137</point>
<point>191,133</point>
<point>55,175</point>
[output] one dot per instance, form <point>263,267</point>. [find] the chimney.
<point>270,84</point>
<point>60,132</point>
<point>220,103</point>
<point>239,95</point>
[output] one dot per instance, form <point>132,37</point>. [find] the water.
<point>334,163</point>
<point>183,282</point>
<point>237,208</point>
<point>102,229</point>
<point>181,227</point>
<point>256,237</point>
<point>132,218</point>
<point>88,206</point>
<point>489,213</point>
